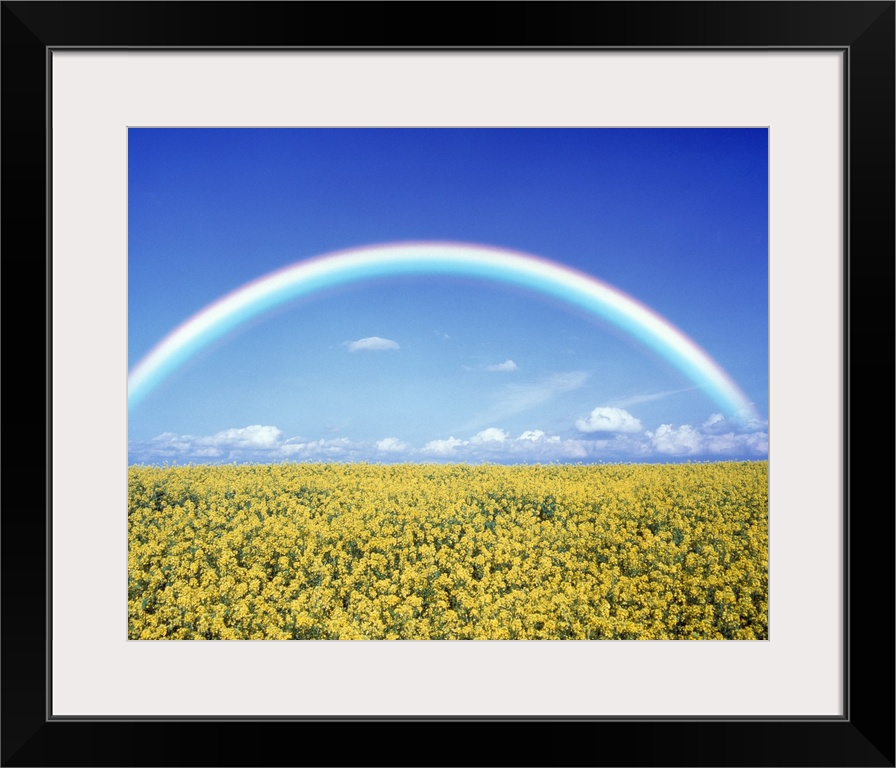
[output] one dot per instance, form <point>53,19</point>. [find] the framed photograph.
<point>700,191</point>
<point>522,449</point>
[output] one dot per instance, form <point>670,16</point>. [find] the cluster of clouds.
<point>606,434</point>
<point>255,443</point>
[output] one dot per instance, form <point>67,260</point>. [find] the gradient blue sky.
<point>463,370</point>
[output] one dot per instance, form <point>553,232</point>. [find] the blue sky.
<point>429,368</point>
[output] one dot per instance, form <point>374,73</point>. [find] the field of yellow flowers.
<point>417,551</point>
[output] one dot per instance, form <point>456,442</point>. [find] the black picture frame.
<point>864,735</point>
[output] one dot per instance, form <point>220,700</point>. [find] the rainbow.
<point>436,258</point>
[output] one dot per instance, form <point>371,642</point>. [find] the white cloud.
<point>680,441</point>
<point>371,343</point>
<point>708,440</point>
<point>649,397</point>
<point>443,447</point>
<point>533,435</point>
<point>575,449</point>
<point>490,435</point>
<point>758,442</point>
<point>208,453</point>
<point>507,365</point>
<point>255,436</point>
<point>337,449</point>
<point>391,444</point>
<point>605,419</point>
<point>169,441</point>
<point>729,436</point>
<point>731,443</point>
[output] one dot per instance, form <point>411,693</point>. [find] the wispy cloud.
<point>648,397</point>
<point>507,365</point>
<point>371,343</point>
<point>522,397</point>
